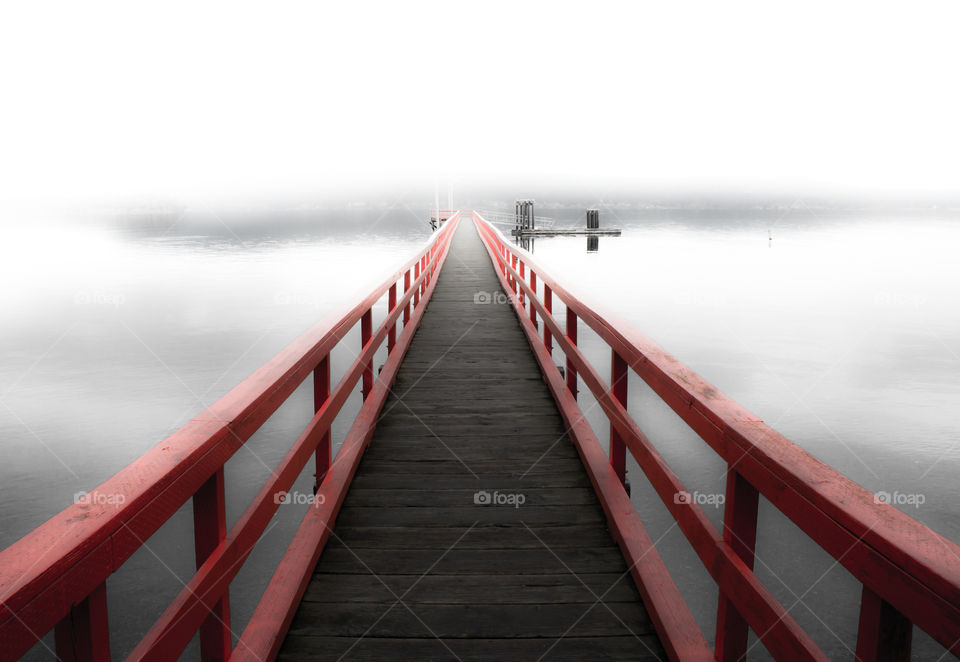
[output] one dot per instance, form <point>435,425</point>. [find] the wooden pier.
<point>471,512</point>
<point>422,563</point>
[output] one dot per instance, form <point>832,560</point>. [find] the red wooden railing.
<point>55,577</point>
<point>910,574</point>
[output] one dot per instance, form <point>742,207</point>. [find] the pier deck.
<point>415,568</point>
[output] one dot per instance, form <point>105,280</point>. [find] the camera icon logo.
<point>683,497</point>
<point>482,498</point>
<point>482,297</point>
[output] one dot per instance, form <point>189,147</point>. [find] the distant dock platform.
<point>565,232</point>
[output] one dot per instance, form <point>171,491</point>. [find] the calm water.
<point>842,333</point>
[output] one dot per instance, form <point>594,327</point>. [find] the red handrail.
<point>910,574</point>
<point>54,577</point>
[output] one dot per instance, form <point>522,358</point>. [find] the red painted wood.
<point>618,387</point>
<point>571,335</point>
<point>904,562</point>
<point>782,636</point>
<point>884,634</point>
<point>391,304</point>
<point>548,305</point>
<point>533,287</point>
<point>63,561</point>
<point>209,530</point>
<point>406,288</point>
<point>268,626</point>
<point>83,635</point>
<point>740,533</point>
<point>522,276</point>
<point>321,394</point>
<point>416,277</point>
<point>366,331</point>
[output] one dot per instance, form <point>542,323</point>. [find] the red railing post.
<point>884,635</point>
<point>740,533</point>
<point>321,393</point>
<point>523,276</point>
<point>548,304</point>
<point>366,332</point>
<point>533,288</point>
<point>423,267</point>
<point>618,385</point>
<point>513,281</point>
<point>416,275</point>
<point>83,635</point>
<point>391,305</point>
<point>406,288</point>
<point>209,529</point>
<point>572,337</point>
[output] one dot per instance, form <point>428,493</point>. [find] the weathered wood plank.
<point>430,649</point>
<point>471,589</point>
<point>352,619</point>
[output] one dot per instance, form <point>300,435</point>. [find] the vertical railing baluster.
<point>572,337</point>
<point>884,635</point>
<point>548,304</point>
<point>740,532</point>
<point>618,386</point>
<point>416,292</point>
<point>533,288</point>
<point>321,393</point>
<point>391,305</point>
<point>366,332</point>
<point>522,278</point>
<point>406,288</point>
<point>209,529</point>
<point>83,635</point>
<point>513,281</point>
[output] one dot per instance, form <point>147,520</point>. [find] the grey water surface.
<point>840,331</point>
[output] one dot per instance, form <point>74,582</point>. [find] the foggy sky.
<point>219,100</point>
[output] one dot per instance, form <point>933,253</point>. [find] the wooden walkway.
<point>416,568</point>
